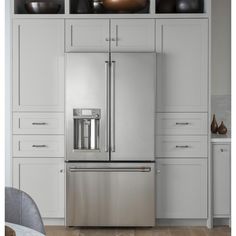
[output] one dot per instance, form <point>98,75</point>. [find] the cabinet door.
<point>132,35</point>
<point>87,35</point>
<point>221,180</point>
<point>38,65</point>
<point>181,188</point>
<point>43,180</point>
<point>182,65</point>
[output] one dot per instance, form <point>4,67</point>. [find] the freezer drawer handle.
<point>183,146</point>
<point>128,169</point>
<point>38,123</point>
<point>39,146</point>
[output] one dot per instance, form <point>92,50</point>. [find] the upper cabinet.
<point>117,35</point>
<point>87,35</point>
<point>38,65</point>
<point>182,65</point>
<point>132,35</point>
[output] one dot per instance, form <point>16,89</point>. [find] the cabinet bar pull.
<point>116,36</point>
<point>19,51</point>
<point>182,146</point>
<point>39,146</point>
<point>71,35</point>
<point>38,123</point>
<point>182,123</point>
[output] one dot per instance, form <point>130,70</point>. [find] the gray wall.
<point>221,50</point>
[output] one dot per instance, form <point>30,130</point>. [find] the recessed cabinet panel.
<point>38,123</point>
<point>133,35</point>
<point>87,35</point>
<point>182,65</point>
<point>38,65</point>
<point>221,180</point>
<point>43,180</point>
<point>181,189</point>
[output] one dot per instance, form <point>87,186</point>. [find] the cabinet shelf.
<point>19,11</point>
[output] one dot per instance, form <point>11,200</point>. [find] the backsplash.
<point>221,107</point>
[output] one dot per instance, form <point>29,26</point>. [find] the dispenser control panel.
<point>87,113</point>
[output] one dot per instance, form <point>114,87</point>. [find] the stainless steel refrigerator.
<point>110,135</point>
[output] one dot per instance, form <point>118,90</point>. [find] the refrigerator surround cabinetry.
<point>43,180</point>
<point>38,65</point>
<point>182,79</point>
<point>117,35</point>
<point>181,189</point>
<point>182,143</point>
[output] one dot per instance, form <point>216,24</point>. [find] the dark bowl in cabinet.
<point>189,6</point>
<point>42,7</point>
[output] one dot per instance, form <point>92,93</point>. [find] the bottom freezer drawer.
<point>110,194</point>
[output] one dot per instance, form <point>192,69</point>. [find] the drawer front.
<point>38,123</point>
<point>38,145</point>
<point>181,146</point>
<point>181,124</point>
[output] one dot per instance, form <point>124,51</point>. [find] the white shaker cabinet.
<point>221,180</point>
<point>115,35</point>
<point>132,35</point>
<point>43,180</point>
<point>182,65</point>
<point>87,35</point>
<point>181,189</point>
<point>38,65</point>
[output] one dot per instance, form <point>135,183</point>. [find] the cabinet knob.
<point>158,171</point>
<point>61,171</point>
<point>113,39</point>
<point>107,39</point>
<point>223,150</point>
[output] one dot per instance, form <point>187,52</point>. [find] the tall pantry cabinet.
<point>182,118</point>
<point>38,118</point>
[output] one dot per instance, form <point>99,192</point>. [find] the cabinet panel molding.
<point>43,180</point>
<point>38,65</point>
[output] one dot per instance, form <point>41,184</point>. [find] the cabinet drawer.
<point>181,146</point>
<point>181,123</point>
<point>38,123</point>
<point>38,146</point>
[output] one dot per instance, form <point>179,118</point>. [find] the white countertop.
<point>221,138</point>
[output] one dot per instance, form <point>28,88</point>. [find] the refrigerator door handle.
<point>107,122</point>
<point>110,169</point>
<point>113,64</point>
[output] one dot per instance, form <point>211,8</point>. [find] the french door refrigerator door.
<point>87,91</point>
<point>110,194</point>
<point>133,89</point>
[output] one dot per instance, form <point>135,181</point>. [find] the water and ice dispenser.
<point>86,124</point>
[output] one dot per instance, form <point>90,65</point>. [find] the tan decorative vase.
<point>214,125</point>
<point>125,5</point>
<point>222,128</point>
